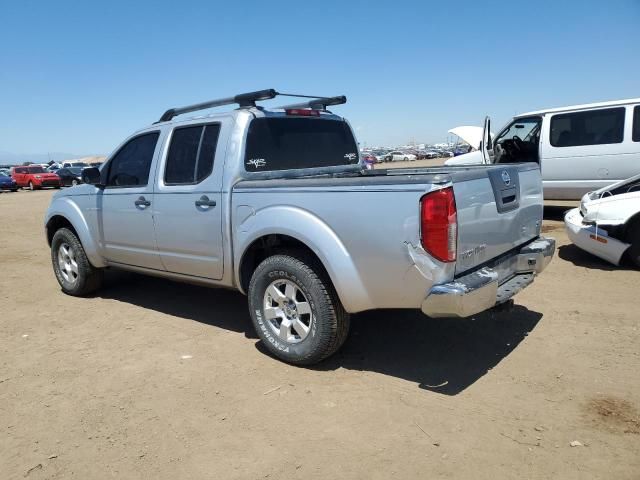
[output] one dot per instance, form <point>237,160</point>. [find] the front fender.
<point>67,208</point>
<point>307,228</point>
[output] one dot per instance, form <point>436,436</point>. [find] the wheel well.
<point>55,223</point>
<point>269,245</point>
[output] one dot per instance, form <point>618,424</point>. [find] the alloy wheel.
<point>287,311</point>
<point>67,263</point>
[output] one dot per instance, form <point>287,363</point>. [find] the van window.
<point>594,127</point>
<point>288,143</point>
<point>191,154</point>
<point>636,124</point>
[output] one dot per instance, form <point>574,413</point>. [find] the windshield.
<point>79,164</point>
<point>527,129</point>
<point>75,170</point>
<point>36,170</point>
<point>277,143</point>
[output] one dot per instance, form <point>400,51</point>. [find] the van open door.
<point>486,145</point>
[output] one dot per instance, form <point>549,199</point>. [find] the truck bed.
<point>376,218</point>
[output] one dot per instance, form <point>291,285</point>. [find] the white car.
<point>397,156</point>
<point>607,224</point>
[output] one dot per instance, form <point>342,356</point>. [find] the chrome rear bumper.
<point>490,286</point>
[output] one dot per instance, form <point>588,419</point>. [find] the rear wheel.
<point>296,311</point>
<point>71,266</point>
<point>633,237</point>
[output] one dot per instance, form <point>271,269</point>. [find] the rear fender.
<point>65,207</point>
<point>307,228</point>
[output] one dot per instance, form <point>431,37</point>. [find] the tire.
<point>74,182</point>
<point>406,159</point>
<point>632,236</point>
<point>326,325</point>
<point>31,186</point>
<point>74,273</point>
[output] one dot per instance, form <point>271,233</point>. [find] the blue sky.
<point>80,76</point>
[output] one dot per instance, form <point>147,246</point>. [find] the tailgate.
<point>497,211</point>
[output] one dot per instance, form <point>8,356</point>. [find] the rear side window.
<point>286,143</point>
<point>636,124</point>
<point>595,127</point>
<point>130,166</point>
<point>191,154</point>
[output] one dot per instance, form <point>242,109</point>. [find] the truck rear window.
<point>288,143</point>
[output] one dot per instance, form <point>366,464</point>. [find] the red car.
<point>34,177</point>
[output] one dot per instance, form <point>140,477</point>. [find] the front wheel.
<point>295,310</point>
<point>71,266</point>
<point>74,182</point>
<point>31,186</point>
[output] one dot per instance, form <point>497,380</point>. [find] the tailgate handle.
<point>508,195</point>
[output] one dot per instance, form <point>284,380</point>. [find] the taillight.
<point>302,112</point>
<point>439,224</point>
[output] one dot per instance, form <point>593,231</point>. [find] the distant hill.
<point>19,158</point>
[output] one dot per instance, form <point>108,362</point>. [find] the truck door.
<point>124,210</point>
<point>189,205</point>
<point>486,145</point>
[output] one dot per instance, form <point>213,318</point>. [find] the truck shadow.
<point>217,307</point>
<point>441,355</point>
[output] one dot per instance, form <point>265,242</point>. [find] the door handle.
<point>142,202</point>
<point>204,201</point>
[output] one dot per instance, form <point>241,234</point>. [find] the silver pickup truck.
<point>276,203</point>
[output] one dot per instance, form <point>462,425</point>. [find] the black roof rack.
<point>246,100</point>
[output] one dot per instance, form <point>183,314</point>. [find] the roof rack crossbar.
<point>320,103</point>
<point>243,100</point>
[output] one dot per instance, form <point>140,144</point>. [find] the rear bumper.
<point>592,239</point>
<point>489,286</point>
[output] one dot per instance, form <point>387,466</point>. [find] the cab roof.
<point>584,106</point>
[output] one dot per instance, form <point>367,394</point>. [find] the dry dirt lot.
<point>154,379</point>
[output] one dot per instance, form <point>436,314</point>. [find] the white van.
<point>579,148</point>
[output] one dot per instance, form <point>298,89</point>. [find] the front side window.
<point>636,124</point>
<point>594,127</point>
<point>191,154</point>
<point>280,143</point>
<point>131,165</point>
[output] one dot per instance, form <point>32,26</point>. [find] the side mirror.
<point>91,176</point>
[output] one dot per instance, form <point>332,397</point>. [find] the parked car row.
<point>405,155</point>
<point>35,177</point>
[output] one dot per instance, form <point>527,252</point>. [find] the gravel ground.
<point>155,379</point>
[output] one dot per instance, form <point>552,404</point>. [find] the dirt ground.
<point>155,379</point>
